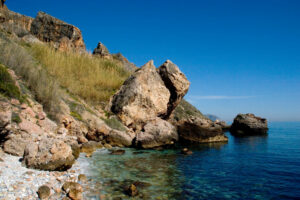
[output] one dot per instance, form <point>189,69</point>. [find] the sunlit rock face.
<point>249,124</point>
<point>52,30</point>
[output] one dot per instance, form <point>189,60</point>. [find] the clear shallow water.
<point>260,167</point>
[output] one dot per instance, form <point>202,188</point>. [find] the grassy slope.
<point>91,78</point>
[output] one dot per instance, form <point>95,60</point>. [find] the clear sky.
<point>240,55</point>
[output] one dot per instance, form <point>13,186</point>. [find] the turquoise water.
<point>260,167</point>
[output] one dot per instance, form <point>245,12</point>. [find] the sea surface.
<point>257,167</point>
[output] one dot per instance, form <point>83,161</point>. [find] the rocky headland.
<point>42,141</point>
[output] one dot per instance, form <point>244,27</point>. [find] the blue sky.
<point>240,56</point>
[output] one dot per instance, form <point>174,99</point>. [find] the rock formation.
<point>176,82</point>
<point>101,51</point>
<point>142,98</point>
<point>64,36</point>
<point>248,124</point>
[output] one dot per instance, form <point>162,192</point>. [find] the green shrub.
<point>16,118</point>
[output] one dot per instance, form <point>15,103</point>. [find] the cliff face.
<point>10,18</point>
<point>52,30</point>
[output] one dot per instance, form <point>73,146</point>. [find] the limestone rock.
<point>52,30</point>
<point>156,133</point>
<point>49,154</point>
<point>248,124</point>
<point>200,130</point>
<point>176,82</point>
<point>142,97</point>
<point>101,51</point>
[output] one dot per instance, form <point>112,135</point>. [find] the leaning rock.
<point>101,51</point>
<point>248,124</point>
<point>49,154</point>
<point>176,82</point>
<point>200,130</point>
<point>156,133</point>
<point>49,29</point>
<point>142,97</point>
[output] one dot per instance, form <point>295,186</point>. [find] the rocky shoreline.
<point>147,112</point>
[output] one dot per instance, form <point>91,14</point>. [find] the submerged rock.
<point>249,124</point>
<point>200,130</point>
<point>186,151</point>
<point>156,133</point>
<point>117,152</point>
<point>132,190</point>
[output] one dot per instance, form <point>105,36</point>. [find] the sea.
<point>255,167</point>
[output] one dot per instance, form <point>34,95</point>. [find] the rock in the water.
<point>176,82</point>
<point>49,154</point>
<point>249,124</point>
<point>132,191</point>
<point>117,152</point>
<point>101,51</point>
<point>43,192</point>
<point>156,133</point>
<point>142,97</point>
<point>52,30</point>
<point>120,138</point>
<point>186,151</point>
<point>200,130</point>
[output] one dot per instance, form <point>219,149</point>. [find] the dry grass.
<point>43,86</point>
<point>93,79</point>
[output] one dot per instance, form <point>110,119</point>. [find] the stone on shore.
<point>249,124</point>
<point>49,154</point>
<point>43,192</point>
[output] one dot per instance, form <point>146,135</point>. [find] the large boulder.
<point>157,132</point>
<point>49,154</point>
<point>16,144</point>
<point>142,97</point>
<point>200,130</point>
<point>52,30</point>
<point>248,124</point>
<point>176,82</point>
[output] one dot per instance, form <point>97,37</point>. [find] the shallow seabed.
<point>260,167</point>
